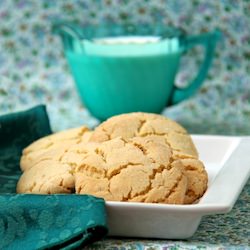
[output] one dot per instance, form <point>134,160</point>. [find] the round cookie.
<point>58,141</point>
<point>48,177</point>
<point>53,171</point>
<point>142,124</point>
<point>140,169</point>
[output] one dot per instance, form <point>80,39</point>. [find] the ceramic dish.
<point>227,161</point>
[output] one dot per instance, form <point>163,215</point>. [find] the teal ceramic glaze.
<point>120,69</point>
<point>110,86</point>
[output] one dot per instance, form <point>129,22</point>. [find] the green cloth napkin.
<point>40,221</point>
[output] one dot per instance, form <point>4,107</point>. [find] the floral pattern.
<point>33,70</point>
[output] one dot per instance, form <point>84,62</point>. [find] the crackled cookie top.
<point>143,124</point>
<point>138,169</point>
<point>136,157</point>
<point>48,177</point>
<point>61,140</point>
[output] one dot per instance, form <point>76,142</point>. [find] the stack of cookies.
<point>135,157</point>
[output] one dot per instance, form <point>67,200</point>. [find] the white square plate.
<point>227,161</point>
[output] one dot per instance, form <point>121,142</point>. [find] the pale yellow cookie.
<point>48,177</point>
<point>197,179</point>
<point>139,169</point>
<point>53,171</point>
<point>45,147</point>
<point>137,157</point>
<point>142,124</point>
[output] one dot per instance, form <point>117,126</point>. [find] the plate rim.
<point>205,206</point>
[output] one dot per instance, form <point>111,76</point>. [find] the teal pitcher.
<point>129,68</point>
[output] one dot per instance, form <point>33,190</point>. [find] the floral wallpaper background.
<point>33,68</point>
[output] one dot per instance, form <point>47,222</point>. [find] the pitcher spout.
<point>70,35</point>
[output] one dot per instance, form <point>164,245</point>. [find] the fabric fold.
<point>29,221</point>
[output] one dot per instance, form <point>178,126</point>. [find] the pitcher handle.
<point>208,40</point>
